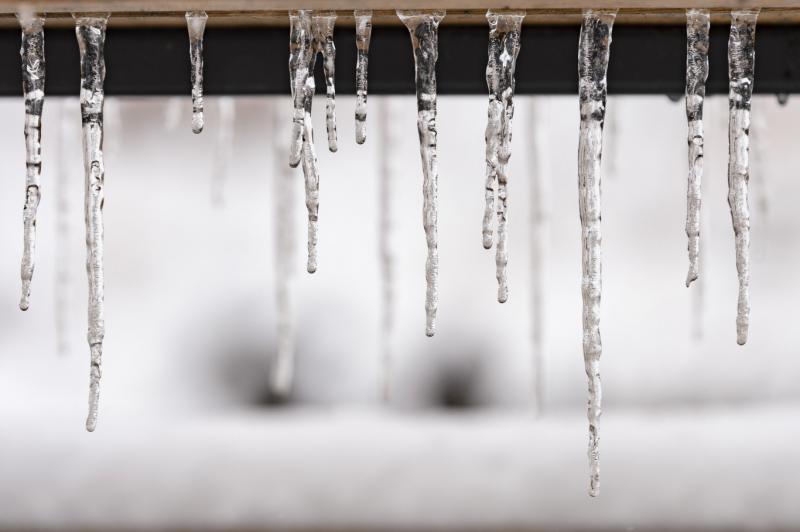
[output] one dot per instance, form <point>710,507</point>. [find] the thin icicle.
<point>697,27</point>
<point>741,62</point>
<point>63,278</point>
<point>539,223</point>
<point>284,198</point>
<point>593,54</point>
<point>363,35</point>
<point>302,56</point>
<point>385,143</point>
<point>91,33</point>
<point>196,24</point>
<point>223,150</point>
<point>33,72</point>
<point>504,43</point>
<point>423,27</point>
<point>322,24</point>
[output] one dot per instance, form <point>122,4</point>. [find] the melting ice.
<point>196,24</point>
<point>363,35</point>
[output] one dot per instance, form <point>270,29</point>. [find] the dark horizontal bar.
<point>644,60</point>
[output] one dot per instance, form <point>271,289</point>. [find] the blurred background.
<point>697,432</point>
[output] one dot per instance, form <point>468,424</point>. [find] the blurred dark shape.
<point>783,98</point>
<point>675,97</point>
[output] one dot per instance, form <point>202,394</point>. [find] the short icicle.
<point>33,73</point>
<point>91,33</point>
<point>741,63</point>
<point>697,44</point>
<point>423,27</point>
<point>363,35</point>
<point>284,196</point>
<point>301,73</point>
<point>593,54</point>
<point>196,24</point>
<point>504,44</point>
<point>322,24</point>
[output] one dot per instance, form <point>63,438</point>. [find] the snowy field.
<point>697,432</point>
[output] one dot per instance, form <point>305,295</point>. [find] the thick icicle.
<point>91,33</point>
<point>593,54</point>
<point>223,150</point>
<point>741,62</point>
<point>539,222</point>
<point>322,24</point>
<point>284,198</point>
<point>33,72</point>
<point>196,24</point>
<point>423,27</point>
<point>302,56</point>
<point>697,26</point>
<point>385,142</point>
<point>363,35</point>
<point>504,44</point>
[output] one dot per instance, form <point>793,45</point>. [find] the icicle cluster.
<point>741,63</point>
<point>504,44</point>
<point>697,27</point>
<point>196,24</point>
<point>33,73</point>
<point>423,27</point>
<point>363,35</point>
<point>593,54</point>
<point>301,76</point>
<point>91,33</point>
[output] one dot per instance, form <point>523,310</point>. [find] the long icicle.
<point>196,24</point>
<point>698,22</point>
<point>423,27</point>
<point>284,197</point>
<point>322,24</point>
<point>33,73</point>
<point>385,142</point>
<point>741,63</point>
<point>302,57</point>
<point>91,33</point>
<point>504,45</point>
<point>363,35</point>
<point>593,54</point>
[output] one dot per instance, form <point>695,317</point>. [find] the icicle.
<point>63,278</point>
<point>363,34</point>
<point>539,223</point>
<point>196,24</point>
<point>284,198</point>
<point>385,142</point>
<point>697,26</point>
<point>423,27</point>
<point>741,59</point>
<point>593,54</point>
<point>223,151</point>
<point>33,72</point>
<point>504,44</point>
<point>322,24</point>
<point>301,73</point>
<point>91,33</point>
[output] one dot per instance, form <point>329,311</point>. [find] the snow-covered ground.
<point>694,433</point>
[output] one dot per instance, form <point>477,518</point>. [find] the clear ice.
<point>741,62</point>
<point>697,27</point>
<point>91,33</point>
<point>32,54</point>
<point>196,24</point>
<point>302,56</point>
<point>322,24</point>
<point>284,198</point>
<point>423,27</point>
<point>223,150</point>
<point>363,35</point>
<point>385,142</point>
<point>593,54</point>
<point>504,43</point>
